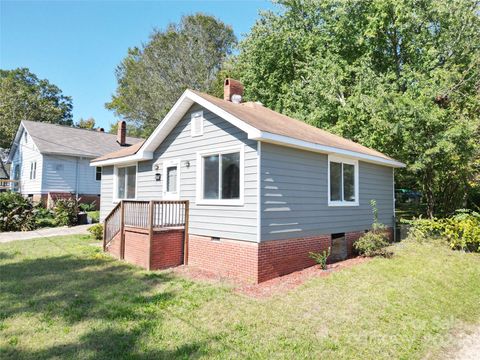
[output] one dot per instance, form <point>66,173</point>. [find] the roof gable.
<point>260,123</point>
<point>65,140</point>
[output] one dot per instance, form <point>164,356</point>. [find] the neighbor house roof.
<point>67,140</point>
<point>260,123</point>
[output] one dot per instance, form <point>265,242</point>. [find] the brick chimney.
<point>122,133</point>
<point>232,87</point>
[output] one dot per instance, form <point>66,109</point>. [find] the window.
<point>343,182</point>
<point>33,170</point>
<point>98,173</point>
<point>197,123</point>
<point>25,136</point>
<point>126,182</point>
<point>171,179</point>
<point>220,177</point>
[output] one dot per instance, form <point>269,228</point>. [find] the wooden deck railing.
<point>151,215</point>
<point>111,225</point>
<point>6,184</point>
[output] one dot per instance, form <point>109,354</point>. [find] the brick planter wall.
<point>136,246</point>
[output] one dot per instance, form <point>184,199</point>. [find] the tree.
<point>86,123</point>
<point>153,76</point>
<point>399,76</point>
<point>25,97</point>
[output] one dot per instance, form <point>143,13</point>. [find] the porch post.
<point>150,233</point>
<point>185,231</point>
<point>122,230</point>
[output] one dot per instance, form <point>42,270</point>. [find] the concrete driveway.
<point>47,232</point>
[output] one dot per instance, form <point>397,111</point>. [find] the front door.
<point>171,183</point>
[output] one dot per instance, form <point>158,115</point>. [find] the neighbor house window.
<point>33,170</point>
<point>343,181</point>
<point>220,177</point>
<point>25,136</point>
<point>197,123</point>
<point>126,182</point>
<point>98,173</point>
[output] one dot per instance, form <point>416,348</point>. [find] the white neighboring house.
<point>50,159</point>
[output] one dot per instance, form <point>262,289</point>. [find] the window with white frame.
<point>25,136</point>
<point>343,181</point>
<point>126,182</point>
<point>171,183</point>
<point>197,123</point>
<point>98,173</point>
<point>33,170</point>
<point>221,177</point>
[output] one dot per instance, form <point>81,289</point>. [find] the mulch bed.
<point>276,286</point>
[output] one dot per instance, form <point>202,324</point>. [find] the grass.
<point>62,298</point>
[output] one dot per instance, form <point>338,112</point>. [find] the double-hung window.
<point>343,181</point>
<point>126,182</point>
<point>220,177</point>
<point>33,170</point>
<point>98,173</point>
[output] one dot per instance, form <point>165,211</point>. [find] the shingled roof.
<point>262,124</point>
<point>67,140</point>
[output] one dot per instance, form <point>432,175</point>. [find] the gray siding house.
<point>55,159</point>
<point>256,181</point>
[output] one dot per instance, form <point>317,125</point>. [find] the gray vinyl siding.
<point>106,199</point>
<point>294,195</point>
<point>230,222</point>
<point>69,174</point>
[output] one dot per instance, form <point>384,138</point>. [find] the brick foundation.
<point>258,262</point>
<point>167,247</point>
<point>245,261</point>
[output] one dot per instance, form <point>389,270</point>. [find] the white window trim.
<point>95,173</point>
<point>115,182</point>
<point>199,169</point>
<point>345,160</point>
<point>195,115</point>
<point>170,195</point>
<point>33,170</point>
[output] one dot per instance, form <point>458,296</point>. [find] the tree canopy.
<point>88,124</point>
<point>402,77</point>
<point>153,76</point>
<point>25,97</point>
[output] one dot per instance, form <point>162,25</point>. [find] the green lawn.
<point>62,298</point>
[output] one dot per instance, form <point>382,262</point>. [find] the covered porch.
<point>152,234</point>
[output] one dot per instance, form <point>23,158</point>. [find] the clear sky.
<point>76,45</point>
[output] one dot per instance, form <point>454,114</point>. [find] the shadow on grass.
<point>72,289</point>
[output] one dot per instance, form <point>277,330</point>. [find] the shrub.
<point>461,231</point>
<point>16,212</point>
<point>373,243</point>
<point>87,207</point>
<point>96,231</point>
<point>66,212</point>
<point>43,217</point>
<point>94,215</point>
<point>320,258</point>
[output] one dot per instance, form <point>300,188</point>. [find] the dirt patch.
<point>467,347</point>
<point>272,287</point>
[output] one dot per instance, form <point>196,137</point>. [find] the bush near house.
<point>16,212</point>
<point>461,231</point>
<point>66,212</point>
<point>96,231</point>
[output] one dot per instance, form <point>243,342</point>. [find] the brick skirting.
<point>258,262</point>
<point>166,248</point>
<point>246,261</point>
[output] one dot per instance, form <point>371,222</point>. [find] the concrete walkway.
<point>57,231</point>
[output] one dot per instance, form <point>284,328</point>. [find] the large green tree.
<point>23,96</point>
<point>402,76</point>
<point>153,76</point>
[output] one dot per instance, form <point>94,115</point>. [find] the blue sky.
<point>77,44</point>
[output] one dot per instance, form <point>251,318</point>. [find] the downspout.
<point>76,179</point>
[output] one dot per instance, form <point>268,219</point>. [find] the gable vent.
<point>197,123</point>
